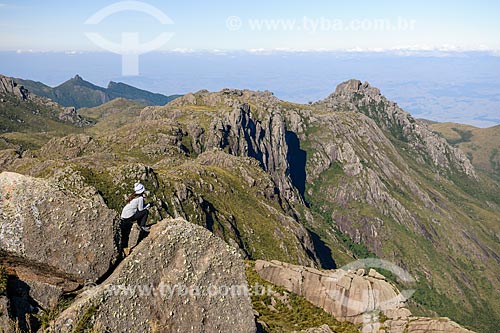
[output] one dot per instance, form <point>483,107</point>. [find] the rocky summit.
<point>180,279</point>
<point>239,179</point>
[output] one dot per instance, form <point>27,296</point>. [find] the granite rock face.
<point>356,96</point>
<point>354,296</point>
<point>346,295</point>
<point>263,140</point>
<point>240,131</point>
<point>53,233</point>
<point>7,85</point>
<point>234,162</point>
<point>70,114</point>
<point>181,278</point>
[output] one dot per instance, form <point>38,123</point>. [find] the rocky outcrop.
<point>67,147</point>
<point>59,237</point>
<point>355,296</point>
<point>356,96</point>
<point>268,221</point>
<point>69,114</point>
<point>417,325</point>
<point>179,279</point>
<point>243,135</point>
<point>369,176</point>
<point>346,295</point>
<point>245,123</point>
<point>7,85</point>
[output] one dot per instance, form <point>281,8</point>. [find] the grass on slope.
<point>112,115</point>
<point>482,145</point>
<point>453,278</point>
<point>30,124</point>
<point>257,221</point>
<point>3,281</point>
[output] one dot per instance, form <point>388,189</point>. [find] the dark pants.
<point>140,217</point>
<point>126,225</point>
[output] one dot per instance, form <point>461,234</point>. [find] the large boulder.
<point>181,278</point>
<point>355,296</point>
<point>424,324</point>
<point>346,295</point>
<point>54,236</point>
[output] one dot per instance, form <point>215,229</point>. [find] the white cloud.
<point>181,50</point>
<point>445,50</point>
<point>20,51</point>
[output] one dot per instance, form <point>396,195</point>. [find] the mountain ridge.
<point>371,174</point>
<point>29,120</point>
<point>80,93</point>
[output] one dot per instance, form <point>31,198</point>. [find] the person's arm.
<point>140,206</point>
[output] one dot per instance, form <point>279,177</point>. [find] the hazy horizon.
<point>438,60</point>
<point>460,87</point>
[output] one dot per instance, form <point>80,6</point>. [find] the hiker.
<point>134,211</point>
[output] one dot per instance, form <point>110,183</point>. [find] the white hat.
<point>138,188</point>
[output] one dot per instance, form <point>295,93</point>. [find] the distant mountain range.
<point>80,93</point>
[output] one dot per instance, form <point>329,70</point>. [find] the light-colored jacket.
<point>136,204</point>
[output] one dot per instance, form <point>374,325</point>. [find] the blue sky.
<point>299,25</point>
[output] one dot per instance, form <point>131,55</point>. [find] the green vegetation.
<point>465,136</point>
<point>48,315</point>
<point>495,161</point>
<point>241,213</point>
<point>427,219</point>
<point>111,115</point>
<point>480,144</point>
<point>376,111</point>
<point>31,124</point>
<point>122,90</point>
<point>360,251</point>
<point>3,281</point>
<point>426,244</point>
<point>85,323</point>
<point>282,311</point>
<point>102,181</point>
